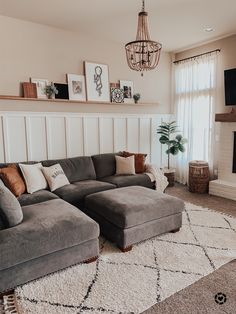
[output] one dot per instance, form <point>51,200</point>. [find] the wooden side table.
<point>199,176</point>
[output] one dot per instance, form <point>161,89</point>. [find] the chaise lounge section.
<point>52,236</point>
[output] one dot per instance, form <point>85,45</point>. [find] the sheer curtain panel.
<point>195,94</point>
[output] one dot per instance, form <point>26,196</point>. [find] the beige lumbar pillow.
<point>125,165</point>
<point>34,178</point>
<point>55,177</point>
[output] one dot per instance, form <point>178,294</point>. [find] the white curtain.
<point>195,94</point>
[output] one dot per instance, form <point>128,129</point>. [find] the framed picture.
<point>117,95</point>
<point>128,87</point>
<point>62,91</point>
<point>76,87</point>
<point>97,82</point>
<point>40,86</point>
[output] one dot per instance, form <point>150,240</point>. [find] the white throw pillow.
<point>55,177</point>
<point>34,178</point>
<point>125,165</point>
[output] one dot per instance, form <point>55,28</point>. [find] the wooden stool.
<point>199,176</point>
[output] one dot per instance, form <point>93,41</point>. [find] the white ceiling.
<point>177,24</point>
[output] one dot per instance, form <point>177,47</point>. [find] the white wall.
<point>34,50</point>
<point>39,136</point>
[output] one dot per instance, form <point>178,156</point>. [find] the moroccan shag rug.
<point>134,281</point>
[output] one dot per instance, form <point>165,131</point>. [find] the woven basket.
<point>199,176</point>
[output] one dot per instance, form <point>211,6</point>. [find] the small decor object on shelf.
<point>128,87</point>
<point>29,90</point>
<point>40,85</point>
<point>97,82</point>
<point>62,91</point>
<point>115,85</point>
<point>199,176</point>
<point>117,95</point>
<point>174,146</point>
<point>51,91</point>
<point>136,97</point>
<point>76,86</point>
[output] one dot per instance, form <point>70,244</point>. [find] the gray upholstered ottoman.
<point>132,214</point>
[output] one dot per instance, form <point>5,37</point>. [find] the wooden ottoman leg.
<point>126,249</point>
<point>91,260</point>
<point>176,230</point>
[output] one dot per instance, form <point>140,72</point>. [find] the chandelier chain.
<point>143,7</point>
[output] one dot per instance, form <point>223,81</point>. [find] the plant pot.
<point>50,96</point>
<point>170,174</point>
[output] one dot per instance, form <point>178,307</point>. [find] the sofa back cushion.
<point>10,210</point>
<point>76,169</point>
<point>104,164</point>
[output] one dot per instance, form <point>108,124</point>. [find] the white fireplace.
<point>225,186</point>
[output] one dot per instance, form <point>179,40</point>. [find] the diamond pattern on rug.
<point>220,257</point>
<point>185,235</point>
<point>184,258</point>
<point>127,277</point>
<point>132,282</point>
<point>218,238</point>
<point>207,219</point>
<point>170,282</point>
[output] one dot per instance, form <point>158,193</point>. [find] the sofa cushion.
<point>76,169</point>
<point>37,197</point>
<point>55,177</point>
<point>139,161</point>
<point>12,178</point>
<point>104,164</point>
<point>34,178</point>
<point>75,192</point>
<point>47,227</point>
<point>10,209</point>
<point>125,165</point>
<point>132,206</point>
<point>128,180</point>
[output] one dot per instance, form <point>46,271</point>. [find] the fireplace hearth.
<point>225,185</point>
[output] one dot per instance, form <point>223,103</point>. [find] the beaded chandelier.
<point>143,54</point>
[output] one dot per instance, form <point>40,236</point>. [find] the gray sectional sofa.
<point>55,232</point>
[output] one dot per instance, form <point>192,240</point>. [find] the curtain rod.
<point>202,54</point>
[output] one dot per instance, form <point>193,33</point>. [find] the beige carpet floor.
<point>220,204</point>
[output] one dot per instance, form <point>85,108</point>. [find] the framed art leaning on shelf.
<point>76,87</point>
<point>97,82</point>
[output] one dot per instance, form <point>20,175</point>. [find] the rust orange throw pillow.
<point>139,161</point>
<point>13,180</point>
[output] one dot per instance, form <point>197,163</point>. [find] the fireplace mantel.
<point>226,117</point>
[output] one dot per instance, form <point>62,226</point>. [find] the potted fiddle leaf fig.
<point>175,145</point>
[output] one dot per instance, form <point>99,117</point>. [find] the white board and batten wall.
<point>40,136</point>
